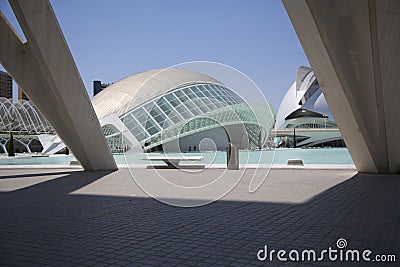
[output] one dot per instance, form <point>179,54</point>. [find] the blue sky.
<point>114,39</point>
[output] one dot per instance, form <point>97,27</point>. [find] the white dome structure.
<point>149,110</point>
<point>134,90</point>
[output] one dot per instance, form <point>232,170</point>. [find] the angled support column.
<point>351,46</point>
<point>44,67</point>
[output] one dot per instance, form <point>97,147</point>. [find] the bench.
<point>173,162</point>
<point>295,162</point>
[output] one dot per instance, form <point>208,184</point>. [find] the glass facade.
<point>186,110</point>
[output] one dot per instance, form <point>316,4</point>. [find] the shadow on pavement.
<point>44,225</point>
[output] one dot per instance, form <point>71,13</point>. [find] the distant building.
<point>304,118</point>
<point>6,85</point>
<point>22,95</point>
<point>98,87</point>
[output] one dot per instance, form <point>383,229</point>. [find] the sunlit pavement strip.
<point>69,217</point>
<point>52,166</point>
<point>216,166</point>
<point>314,166</point>
<point>266,166</point>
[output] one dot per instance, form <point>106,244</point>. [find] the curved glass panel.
<point>194,107</point>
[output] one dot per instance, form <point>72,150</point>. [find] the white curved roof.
<point>22,116</point>
<point>293,98</point>
<point>289,104</point>
<point>134,90</point>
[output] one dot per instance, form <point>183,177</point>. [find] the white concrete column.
<point>352,47</point>
<point>44,67</point>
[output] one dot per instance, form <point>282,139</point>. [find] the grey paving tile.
<point>85,219</point>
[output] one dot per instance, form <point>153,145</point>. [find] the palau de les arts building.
<point>179,109</point>
<point>303,118</point>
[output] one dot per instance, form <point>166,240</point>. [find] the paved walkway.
<point>69,217</point>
